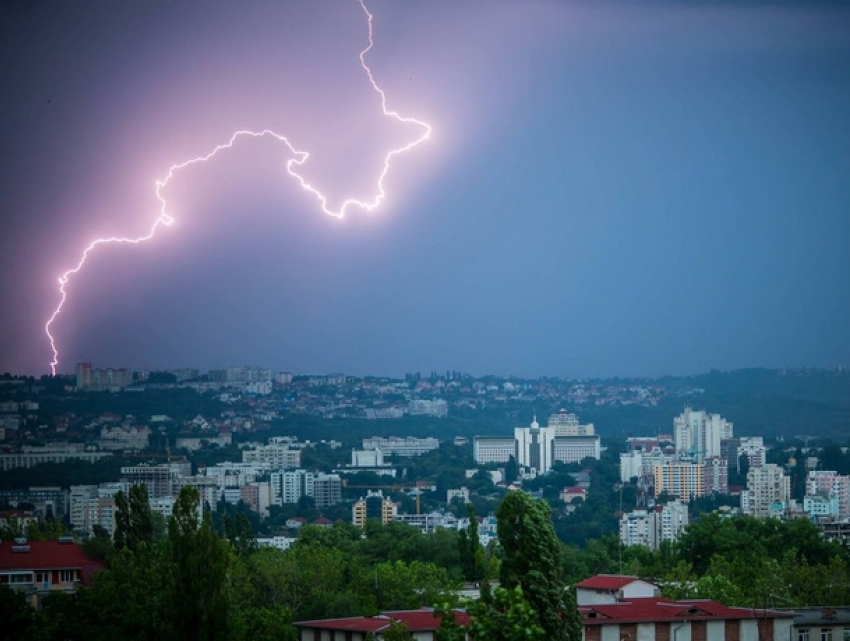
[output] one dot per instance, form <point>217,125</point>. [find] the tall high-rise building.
<point>327,490</point>
<point>716,475</point>
<point>698,435</point>
<point>768,492</point>
<point>535,447</point>
<point>682,480</point>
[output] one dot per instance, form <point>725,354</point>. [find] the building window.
<point>826,634</point>
<point>846,635</point>
<point>68,576</point>
<point>803,635</point>
<point>42,577</point>
<point>15,579</point>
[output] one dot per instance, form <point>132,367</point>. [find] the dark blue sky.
<point>612,188</point>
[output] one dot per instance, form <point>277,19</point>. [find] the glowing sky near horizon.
<point>615,189</point>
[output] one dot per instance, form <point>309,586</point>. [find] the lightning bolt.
<point>164,219</point>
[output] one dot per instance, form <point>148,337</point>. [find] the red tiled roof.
<point>655,609</point>
<point>607,582</point>
<point>416,621</point>
<point>46,555</point>
<point>354,624</point>
<point>422,620</point>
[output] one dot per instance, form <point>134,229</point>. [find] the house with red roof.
<point>422,625</point>
<point>38,567</point>
<point>655,619</point>
<point>611,588</point>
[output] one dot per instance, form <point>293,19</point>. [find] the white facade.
<point>534,446</point>
<point>698,434</point>
<point>641,463</point>
<point>574,449</point>
<point>767,488</point>
<point>276,456</point>
<point>395,446</point>
<point>436,407</point>
<point>565,424</point>
<point>290,486</point>
<point>833,486</point>
<point>367,458</point>
<point>649,528</point>
<point>493,449</point>
<point>638,528</point>
<point>124,438</point>
<point>754,449</point>
<point>671,521</point>
<point>462,493</point>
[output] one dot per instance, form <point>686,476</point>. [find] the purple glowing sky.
<point>609,189</point>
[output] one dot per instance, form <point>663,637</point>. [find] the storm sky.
<point>611,188</point>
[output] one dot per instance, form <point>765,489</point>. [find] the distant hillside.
<point>764,402</point>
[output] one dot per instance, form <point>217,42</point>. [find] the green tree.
<point>507,616</point>
<point>134,522</point>
<point>199,562</point>
<point>472,559</point>
<point>397,631</point>
<point>15,613</point>
<point>533,560</point>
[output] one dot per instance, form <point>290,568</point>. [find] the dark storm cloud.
<point>611,188</point>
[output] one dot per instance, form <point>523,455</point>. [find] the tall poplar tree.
<point>533,560</point>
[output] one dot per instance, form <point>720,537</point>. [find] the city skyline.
<point>609,190</point>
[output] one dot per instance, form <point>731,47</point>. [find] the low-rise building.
<point>612,588</point>
<point>656,618</point>
<point>39,567</point>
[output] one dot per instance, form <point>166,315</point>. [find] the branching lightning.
<point>165,219</point>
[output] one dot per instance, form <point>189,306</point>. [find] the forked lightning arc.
<point>300,158</point>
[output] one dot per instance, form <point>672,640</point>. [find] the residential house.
<point>39,567</point>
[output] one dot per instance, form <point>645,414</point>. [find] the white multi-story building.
<point>649,528</point>
<point>697,434</point>
<point>275,456</point>
<point>32,455</point>
<point>79,495</point>
<point>754,449</point>
<point>768,491</point>
<point>124,438</point>
<point>565,424</point>
<point>831,485</point>
<point>671,521</point>
<point>641,463</point>
<point>638,528</point>
<point>493,449</point>
<point>367,458</point>
<point>537,448</point>
<point>234,474</point>
<point>395,446</point>
<point>327,490</point>
<point>290,486</point>
<point>574,449</point>
<point>534,447</point>
<point>682,480</point>
<point>437,407</point>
